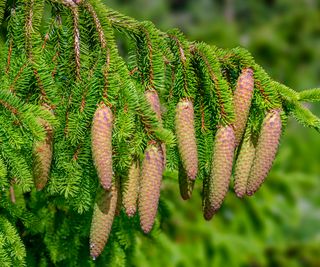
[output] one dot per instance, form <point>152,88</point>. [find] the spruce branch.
<point>310,95</point>
<point>221,90</point>
<point>58,72</point>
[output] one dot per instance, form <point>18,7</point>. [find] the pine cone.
<point>221,169</point>
<point>186,138</point>
<point>42,157</point>
<point>101,138</point>
<point>266,150</point>
<point>102,219</point>
<point>242,102</point>
<point>151,176</point>
<point>243,167</point>
<point>154,101</point>
<point>131,190</point>
<point>186,185</point>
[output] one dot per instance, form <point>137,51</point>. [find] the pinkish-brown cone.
<point>243,167</point>
<point>102,219</point>
<point>131,189</point>
<point>150,183</point>
<point>186,138</point>
<point>242,102</point>
<point>154,101</point>
<point>221,170</point>
<point>185,184</point>
<point>266,150</point>
<point>101,138</point>
<point>42,157</point>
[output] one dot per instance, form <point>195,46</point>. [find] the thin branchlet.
<point>195,50</point>
<point>76,36</point>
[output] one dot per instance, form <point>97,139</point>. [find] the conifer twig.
<point>76,34</point>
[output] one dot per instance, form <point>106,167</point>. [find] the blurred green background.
<point>280,225</point>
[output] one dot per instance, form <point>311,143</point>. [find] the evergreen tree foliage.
<point>59,66</point>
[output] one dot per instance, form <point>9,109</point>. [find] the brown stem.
<point>181,50</point>
<point>261,90</point>
<point>213,77</point>
<point>173,77</point>
<point>12,195</point>
<point>183,59</point>
<point>9,107</point>
<point>203,127</point>
<point>45,40</point>
<point>76,34</point>
<point>97,23</point>
<point>106,75</point>
<point>9,56</point>
<point>28,28</point>
<point>16,78</point>
<point>150,51</point>
<point>133,71</point>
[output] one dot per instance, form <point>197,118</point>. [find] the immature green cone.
<point>266,150</point>
<point>150,183</point>
<point>242,102</point>
<point>185,131</point>
<point>101,139</point>
<point>154,101</point>
<point>221,169</point>
<point>102,219</point>
<point>42,157</point>
<point>131,190</point>
<point>185,185</point>
<point>243,167</point>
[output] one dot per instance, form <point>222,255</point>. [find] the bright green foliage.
<point>58,62</point>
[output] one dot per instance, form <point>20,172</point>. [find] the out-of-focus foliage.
<point>279,226</point>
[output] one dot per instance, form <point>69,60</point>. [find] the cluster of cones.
<point>254,157</point>
<point>142,186</point>
<point>253,162</point>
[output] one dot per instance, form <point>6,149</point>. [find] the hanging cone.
<point>186,138</point>
<point>102,219</point>
<point>243,166</point>
<point>266,150</point>
<point>154,101</point>
<point>185,185</point>
<point>242,102</point>
<point>131,189</point>
<point>221,169</point>
<point>42,157</point>
<point>151,176</point>
<point>101,139</point>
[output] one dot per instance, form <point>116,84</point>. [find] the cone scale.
<point>42,157</point>
<point>266,150</point>
<point>186,138</point>
<point>102,219</point>
<point>242,102</point>
<point>101,138</point>
<point>150,183</point>
<point>221,169</point>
